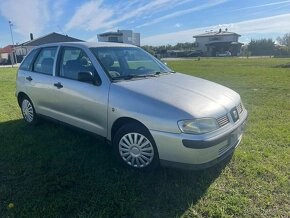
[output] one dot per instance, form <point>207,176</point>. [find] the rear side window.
<point>44,61</point>
<point>26,64</point>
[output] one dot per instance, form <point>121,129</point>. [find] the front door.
<point>82,104</point>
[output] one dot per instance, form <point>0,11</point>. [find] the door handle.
<point>58,85</point>
<point>29,78</point>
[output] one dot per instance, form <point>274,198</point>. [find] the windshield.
<point>128,62</point>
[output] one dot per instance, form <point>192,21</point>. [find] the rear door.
<point>40,81</point>
<point>82,104</point>
<point>26,66</point>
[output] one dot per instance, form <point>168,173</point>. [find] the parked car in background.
<point>150,114</point>
<point>224,54</point>
<point>196,53</point>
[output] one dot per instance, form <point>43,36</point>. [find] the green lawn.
<point>55,171</point>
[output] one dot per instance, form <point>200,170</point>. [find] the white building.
<point>211,43</point>
<point>121,36</point>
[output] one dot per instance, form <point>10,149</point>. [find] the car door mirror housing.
<point>86,76</point>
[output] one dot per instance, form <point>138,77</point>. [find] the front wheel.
<point>28,111</point>
<point>136,148</point>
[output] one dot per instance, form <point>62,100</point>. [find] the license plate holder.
<point>236,134</point>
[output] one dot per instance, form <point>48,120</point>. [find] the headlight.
<point>198,126</point>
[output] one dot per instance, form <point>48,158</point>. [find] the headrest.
<point>47,61</point>
<point>108,61</point>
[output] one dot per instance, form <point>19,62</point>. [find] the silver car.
<point>150,114</point>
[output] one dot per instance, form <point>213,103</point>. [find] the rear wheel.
<point>28,111</point>
<point>135,147</point>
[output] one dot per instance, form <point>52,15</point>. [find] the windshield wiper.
<point>132,76</point>
<point>161,72</point>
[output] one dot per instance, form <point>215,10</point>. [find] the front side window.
<point>125,62</point>
<point>44,61</point>
<point>73,61</point>
<point>26,64</point>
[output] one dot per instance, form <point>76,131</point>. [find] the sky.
<point>160,22</point>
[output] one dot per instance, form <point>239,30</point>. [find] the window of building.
<point>113,39</point>
<point>215,39</point>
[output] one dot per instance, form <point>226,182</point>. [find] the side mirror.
<point>86,76</point>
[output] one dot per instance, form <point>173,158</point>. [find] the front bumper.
<point>195,152</point>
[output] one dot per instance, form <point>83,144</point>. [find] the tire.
<point>28,111</point>
<point>135,147</point>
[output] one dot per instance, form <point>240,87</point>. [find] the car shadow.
<point>52,170</point>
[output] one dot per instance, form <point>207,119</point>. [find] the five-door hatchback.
<point>150,114</point>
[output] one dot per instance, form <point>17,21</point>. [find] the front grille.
<point>240,108</point>
<point>222,121</point>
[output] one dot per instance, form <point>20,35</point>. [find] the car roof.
<point>88,44</point>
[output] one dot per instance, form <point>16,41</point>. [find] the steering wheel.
<point>114,74</point>
<point>141,68</point>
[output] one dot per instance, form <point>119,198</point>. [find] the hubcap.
<point>136,150</point>
<point>27,110</point>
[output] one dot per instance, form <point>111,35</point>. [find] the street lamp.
<point>13,53</point>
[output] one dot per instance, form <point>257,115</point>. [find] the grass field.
<point>55,171</point>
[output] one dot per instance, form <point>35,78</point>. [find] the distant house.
<point>6,55</point>
<point>121,36</point>
<point>24,48</point>
<point>212,43</point>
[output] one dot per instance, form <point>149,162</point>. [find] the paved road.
<point>15,65</point>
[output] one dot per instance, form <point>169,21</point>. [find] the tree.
<point>284,40</point>
<point>162,50</point>
<point>262,47</point>
<point>245,51</point>
<point>149,49</point>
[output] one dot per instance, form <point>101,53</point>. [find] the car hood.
<point>195,96</point>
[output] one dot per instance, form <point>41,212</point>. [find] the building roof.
<point>50,38</point>
<point>217,33</point>
<point>6,49</point>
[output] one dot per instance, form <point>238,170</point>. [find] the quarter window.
<point>73,61</point>
<point>28,60</point>
<point>45,60</point>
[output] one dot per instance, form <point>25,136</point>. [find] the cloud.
<point>29,16</point>
<point>94,15</point>
<point>144,8</point>
<point>183,12</point>
<point>278,24</point>
<point>177,25</point>
<point>263,5</point>
<point>90,16</point>
<point>57,8</point>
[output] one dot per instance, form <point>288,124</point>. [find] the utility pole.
<point>13,53</point>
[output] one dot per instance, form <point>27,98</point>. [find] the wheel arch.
<point>123,121</point>
<point>20,96</point>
